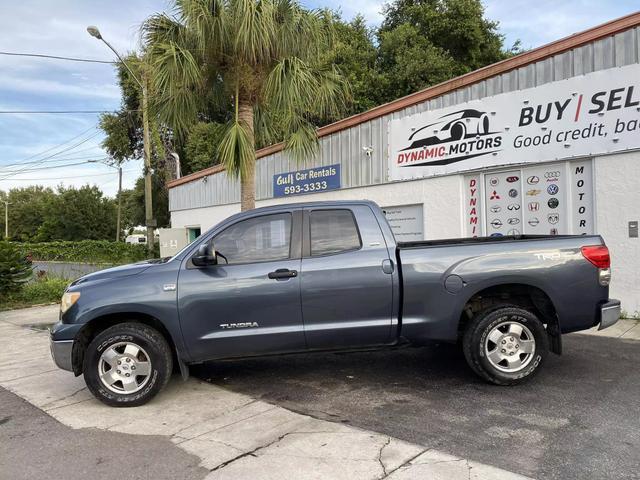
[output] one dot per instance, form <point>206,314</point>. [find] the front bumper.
<point>61,353</point>
<point>609,313</point>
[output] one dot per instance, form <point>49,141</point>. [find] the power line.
<point>49,167</point>
<point>58,145</point>
<point>52,155</point>
<point>56,57</point>
<point>56,112</point>
<point>71,176</point>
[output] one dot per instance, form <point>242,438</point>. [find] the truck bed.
<point>478,240</point>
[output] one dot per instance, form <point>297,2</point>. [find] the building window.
<point>193,233</point>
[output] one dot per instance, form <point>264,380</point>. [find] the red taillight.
<point>598,255</point>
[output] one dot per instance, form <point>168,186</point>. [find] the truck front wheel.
<point>505,345</point>
<point>127,364</point>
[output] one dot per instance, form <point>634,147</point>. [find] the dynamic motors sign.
<point>591,114</point>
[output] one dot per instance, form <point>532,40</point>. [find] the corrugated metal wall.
<point>346,147</point>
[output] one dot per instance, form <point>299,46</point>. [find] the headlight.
<point>68,299</point>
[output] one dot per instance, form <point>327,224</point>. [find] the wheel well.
<point>525,296</point>
<point>99,324</point>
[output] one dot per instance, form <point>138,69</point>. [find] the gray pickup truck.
<point>329,276</point>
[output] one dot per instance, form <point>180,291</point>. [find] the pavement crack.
<point>405,463</point>
<point>384,445</point>
<point>58,400</point>
<point>249,453</point>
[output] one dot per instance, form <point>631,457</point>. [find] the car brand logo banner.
<point>585,115</point>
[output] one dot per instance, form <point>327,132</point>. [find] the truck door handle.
<point>283,273</point>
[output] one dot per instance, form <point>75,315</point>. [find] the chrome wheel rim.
<point>124,368</point>
<point>510,346</point>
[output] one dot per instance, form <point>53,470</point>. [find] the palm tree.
<point>262,58</point>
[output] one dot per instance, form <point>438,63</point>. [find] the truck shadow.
<point>580,410</point>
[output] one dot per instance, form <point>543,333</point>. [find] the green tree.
<point>201,146</point>
<point>78,214</point>
<point>355,54</point>
<point>261,57</point>
<point>15,269</point>
<point>133,204</point>
<point>27,211</point>
<point>424,42</point>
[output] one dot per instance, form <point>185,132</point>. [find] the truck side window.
<point>333,231</point>
<point>258,239</point>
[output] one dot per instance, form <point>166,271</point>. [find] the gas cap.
<point>453,284</point>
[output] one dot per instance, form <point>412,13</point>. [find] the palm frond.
<point>236,149</point>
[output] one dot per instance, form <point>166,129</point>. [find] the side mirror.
<point>205,256</point>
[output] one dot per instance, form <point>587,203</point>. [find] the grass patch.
<point>45,289</point>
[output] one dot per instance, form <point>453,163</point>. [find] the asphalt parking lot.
<point>579,418</point>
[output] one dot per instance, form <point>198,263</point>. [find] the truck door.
<point>347,286</point>
<point>250,303</point>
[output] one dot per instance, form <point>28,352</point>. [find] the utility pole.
<point>148,202</point>
<point>6,219</point>
<point>119,215</point>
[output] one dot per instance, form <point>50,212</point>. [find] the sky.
<point>53,149</point>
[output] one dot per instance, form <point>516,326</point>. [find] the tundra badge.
<point>239,325</point>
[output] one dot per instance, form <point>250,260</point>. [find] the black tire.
<point>151,344</point>
<point>476,345</point>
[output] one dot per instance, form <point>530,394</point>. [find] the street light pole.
<point>148,201</point>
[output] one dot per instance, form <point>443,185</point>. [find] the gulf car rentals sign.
<point>590,114</point>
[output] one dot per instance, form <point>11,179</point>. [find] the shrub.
<point>85,251</point>
<point>15,268</point>
<point>44,289</point>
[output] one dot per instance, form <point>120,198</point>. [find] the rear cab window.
<point>333,231</point>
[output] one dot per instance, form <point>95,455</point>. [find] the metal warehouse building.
<point>547,142</point>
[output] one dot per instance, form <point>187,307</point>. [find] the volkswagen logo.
<point>553,189</point>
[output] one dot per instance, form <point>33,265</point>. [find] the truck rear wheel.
<point>505,345</point>
<point>127,365</point>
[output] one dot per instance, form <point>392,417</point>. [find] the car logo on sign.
<point>512,179</point>
<point>496,234</point>
<point>513,206</point>
<point>513,232</point>
<point>552,176</point>
<point>496,223</point>
<point>553,189</point>
<point>494,196</point>
<point>513,193</point>
<point>533,192</point>
<point>532,180</point>
<point>533,221</point>
<point>553,218</point>
<point>534,206</point>
<point>553,202</point>
<point>496,208</point>
<point>513,221</point>
<point>494,181</point>
<point>553,231</point>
